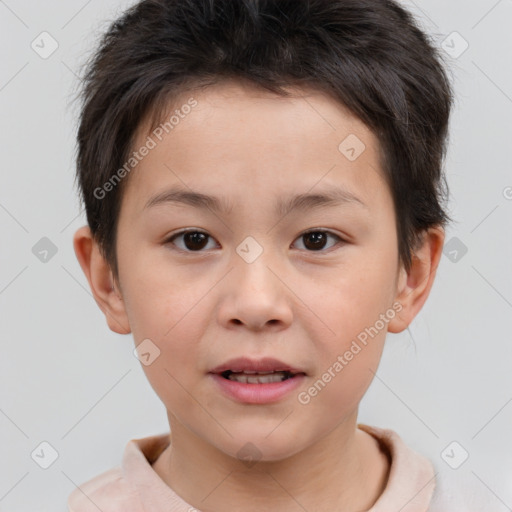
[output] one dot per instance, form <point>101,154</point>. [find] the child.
<point>298,144</point>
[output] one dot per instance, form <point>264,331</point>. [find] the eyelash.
<point>171,239</point>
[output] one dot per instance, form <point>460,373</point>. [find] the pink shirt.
<point>136,487</point>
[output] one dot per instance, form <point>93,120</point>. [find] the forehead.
<point>236,134</point>
<point>259,112</point>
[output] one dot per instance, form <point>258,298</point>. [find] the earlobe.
<point>414,287</point>
<point>99,275</point>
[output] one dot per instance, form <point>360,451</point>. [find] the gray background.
<point>67,380</point>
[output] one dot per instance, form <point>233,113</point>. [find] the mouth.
<point>253,377</point>
<point>261,381</point>
<point>256,371</point>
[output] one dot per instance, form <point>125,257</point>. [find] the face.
<point>312,286</point>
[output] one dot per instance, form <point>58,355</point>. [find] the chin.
<point>257,445</point>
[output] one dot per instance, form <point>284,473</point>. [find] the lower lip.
<point>257,393</point>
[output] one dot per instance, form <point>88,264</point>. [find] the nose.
<point>255,296</point>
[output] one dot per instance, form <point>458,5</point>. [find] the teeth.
<point>260,378</point>
<point>251,372</point>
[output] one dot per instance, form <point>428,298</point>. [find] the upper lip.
<point>267,364</point>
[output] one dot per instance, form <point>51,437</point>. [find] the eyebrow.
<point>334,196</point>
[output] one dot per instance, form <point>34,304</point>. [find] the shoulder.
<point>405,461</point>
<point>459,491</point>
<point>126,487</point>
<point>424,484</point>
<point>411,478</point>
<point>108,492</point>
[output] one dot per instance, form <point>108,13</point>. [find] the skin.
<point>294,303</point>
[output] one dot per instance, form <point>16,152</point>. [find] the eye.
<point>317,238</point>
<point>193,240</point>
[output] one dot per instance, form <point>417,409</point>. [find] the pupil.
<point>318,239</point>
<point>195,240</point>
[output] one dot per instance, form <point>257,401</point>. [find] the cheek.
<point>358,297</point>
<point>357,313</point>
<point>354,367</point>
<point>174,372</point>
<point>346,372</point>
<point>160,298</point>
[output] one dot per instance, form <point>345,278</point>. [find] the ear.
<point>413,287</point>
<point>101,281</point>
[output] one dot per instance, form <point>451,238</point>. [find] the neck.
<point>346,470</point>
